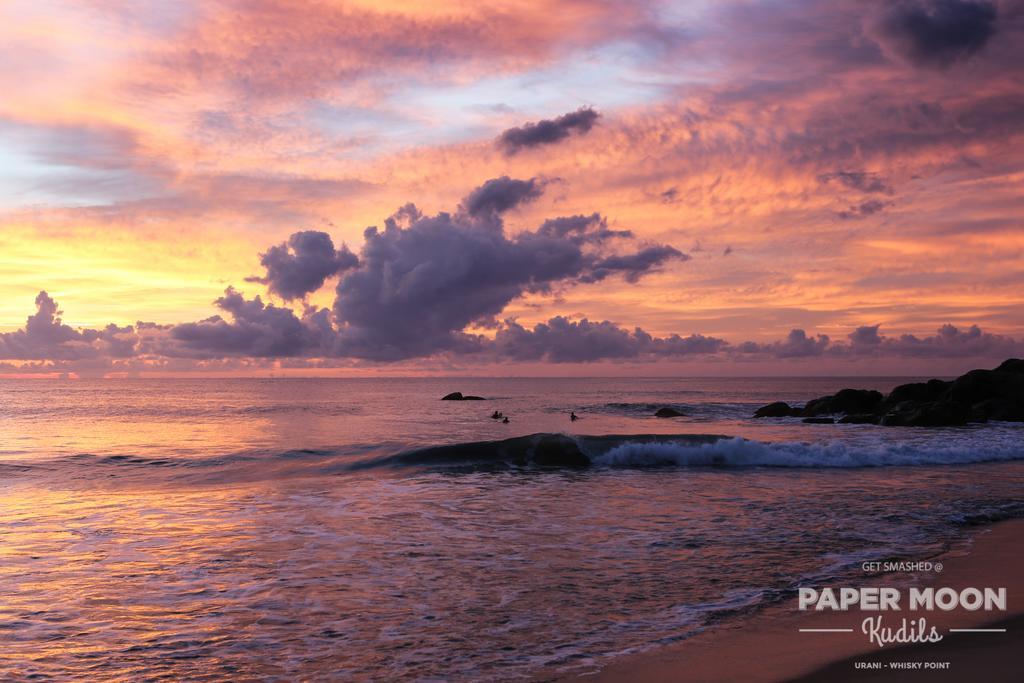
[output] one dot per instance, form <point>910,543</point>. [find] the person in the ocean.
<point>505,421</point>
<point>573,417</point>
<point>496,415</point>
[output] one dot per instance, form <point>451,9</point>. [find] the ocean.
<point>363,529</point>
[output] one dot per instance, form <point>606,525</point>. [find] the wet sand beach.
<point>769,647</point>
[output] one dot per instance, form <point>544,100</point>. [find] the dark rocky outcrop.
<point>845,401</point>
<point>1012,365</point>
<point>860,419</point>
<point>997,409</point>
<point>777,409</point>
<point>918,391</point>
<point>457,396</point>
<point>977,396</point>
<point>930,414</point>
<point>668,412</point>
<point>981,385</point>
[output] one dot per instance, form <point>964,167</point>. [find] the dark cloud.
<point>46,337</point>
<point>949,341</point>
<point>867,341</point>
<point>256,334</point>
<point>863,210</point>
<point>865,337</point>
<point>498,195</point>
<point>936,33</point>
<point>859,180</point>
<point>670,195</point>
<point>301,265</point>
<point>256,330</point>
<point>547,131</point>
<point>633,266</point>
<point>418,287</point>
<point>561,340</point>
<point>796,345</point>
<point>675,345</point>
<point>581,229</point>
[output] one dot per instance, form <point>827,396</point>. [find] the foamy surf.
<point>708,450</point>
<point>738,452</point>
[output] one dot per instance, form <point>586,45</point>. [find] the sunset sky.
<point>556,187</point>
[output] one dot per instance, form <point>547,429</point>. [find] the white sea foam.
<point>737,452</point>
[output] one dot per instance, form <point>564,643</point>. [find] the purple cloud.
<point>861,181</point>
<point>561,340</point>
<point>863,210</point>
<point>417,288</point>
<point>796,345</point>
<point>256,330</point>
<point>46,337</point>
<point>547,131</point>
<point>936,33</point>
<point>301,265</point>
<point>498,195</point>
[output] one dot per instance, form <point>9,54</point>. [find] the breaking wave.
<point>561,451</point>
<point>641,451</point>
<point>737,452</point>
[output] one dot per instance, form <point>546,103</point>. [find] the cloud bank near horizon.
<point>254,330</point>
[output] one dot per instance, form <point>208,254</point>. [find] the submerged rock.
<point>668,412</point>
<point>457,396</point>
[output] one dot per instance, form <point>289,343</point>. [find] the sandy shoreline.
<point>769,646</point>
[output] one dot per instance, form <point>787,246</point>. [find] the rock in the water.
<point>977,396</point>
<point>845,401</point>
<point>856,400</point>
<point>979,385</point>
<point>818,406</point>
<point>860,419</point>
<point>777,409</point>
<point>933,414</point>
<point>558,451</point>
<point>819,420</point>
<point>931,390</point>
<point>457,396</point>
<point>998,409</point>
<point>1012,365</point>
<point>668,412</point>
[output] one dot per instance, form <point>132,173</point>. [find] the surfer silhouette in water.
<point>505,421</point>
<point>573,417</point>
<point>496,415</point>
